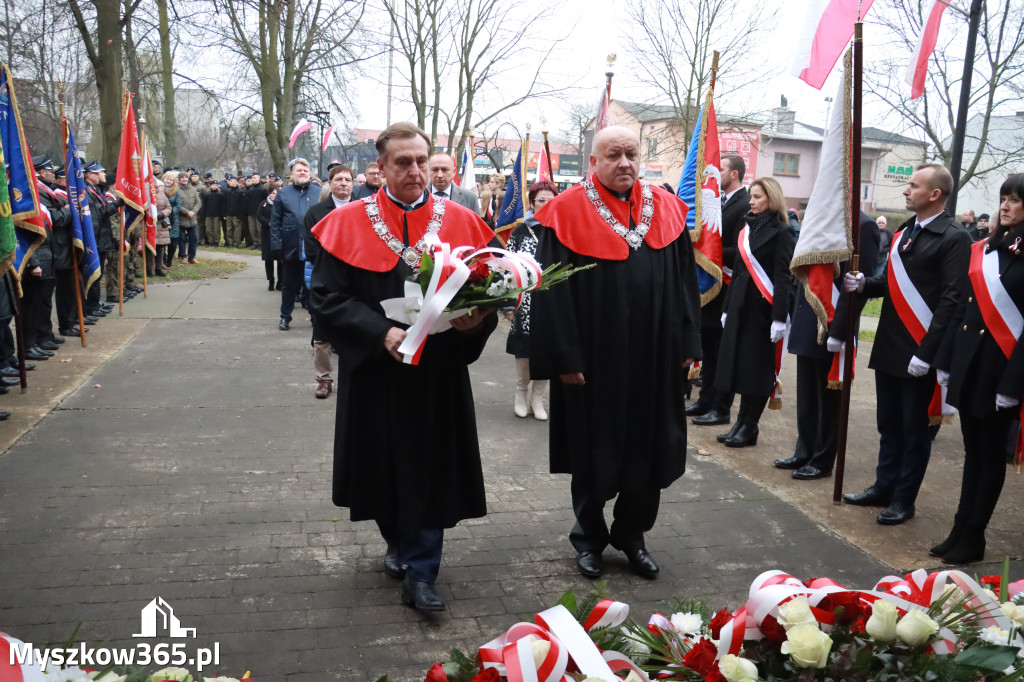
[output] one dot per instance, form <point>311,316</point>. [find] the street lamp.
<point>323,120</point>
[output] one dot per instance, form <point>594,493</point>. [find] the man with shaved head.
<point>617,342</point>
<point>441,168</point>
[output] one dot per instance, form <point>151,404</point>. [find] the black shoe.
<point>392,566</point>
<point>4,390</point>
<point>949,543</point>
<point>789,463</point>
<point>697,409</point>
<point>722,437</point>
<point>745,436</point>
<point>114,299</point>
<point>283,325</point>
<point>4,415</point>
<point>9,381</point>
<point>810,473</point>
<point>278,287</point>
<point>72,331</point>
<point>270,285</point>
<point>160,273</point>
<point>589,564</point>
<point>34,353</point>
<point>897,513</point>
<point>10,372</point>
<point>57,339</point>
<point>90,320</point>
<point>968,549</point>
<point>642,563</point>
<point>48,345</point>
<point>872,497</point>
<point>711,418</point>
<point>421,596</point>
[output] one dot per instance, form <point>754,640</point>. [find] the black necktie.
<point>913,235</point>
<point>441,194</point>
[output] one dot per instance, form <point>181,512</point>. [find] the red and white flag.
<point>917,69</point>
<point>300,128</point>
<point>827,30</point>
<point>327,137</point>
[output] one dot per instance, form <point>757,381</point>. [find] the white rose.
<point>1014,612</point>
<point>796,612</point>
<point>635,646</point>
<point>634,676</point>
<point>540,648</point>
<point>882,623</point>
<point>807,645</point>
<point>994,635</point>
<point>916,628</point>
<point>687,623</point>
<point>178,674</point>
<point>736,669</point>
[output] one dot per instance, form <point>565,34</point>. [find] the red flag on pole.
<point>917,69</point>
<point>149,191</point>
<point>544,167</point>
<point>827,30</point>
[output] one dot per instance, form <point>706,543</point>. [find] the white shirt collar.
<point>416,204</point>
<point>446,192</point>
<point>340,202</point>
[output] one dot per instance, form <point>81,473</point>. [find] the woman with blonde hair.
<point>491,198</point>
<point>756,309</point>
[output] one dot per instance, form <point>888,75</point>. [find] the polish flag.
<point>302,127</point>
<point>327,137</point>
<point>828,28</point>
<point>544,167</point>
<point>917,69</point>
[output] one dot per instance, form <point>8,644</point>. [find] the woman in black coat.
<point>263,214</point>
<point>983,369</point>
<point>752,325</point>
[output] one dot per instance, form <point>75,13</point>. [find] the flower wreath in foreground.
<point>943,626</point>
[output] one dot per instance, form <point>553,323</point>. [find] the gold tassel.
<point>694,373</point>
<point>940,419</point>
<point>774,403</point>
<point>836,385</point>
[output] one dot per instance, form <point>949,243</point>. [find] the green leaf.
<point>1004,584</point>
<point>568,600</point>
<point>991,658</point>
<point>382,678</point>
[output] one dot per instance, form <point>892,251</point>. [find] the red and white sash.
<point>765,285</point>
<point>1001,315</point>
<point>914,313</point>
<point>838,369</point>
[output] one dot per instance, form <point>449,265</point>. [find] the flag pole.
<point>547,152</point>
<point>144,230</point>
<point>524,162</point>
<point>74,256</point>
<point>125,100</point>
<point>852,301</point>
<point>19,332</point>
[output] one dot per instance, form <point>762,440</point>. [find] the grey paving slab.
<point>180,471</point>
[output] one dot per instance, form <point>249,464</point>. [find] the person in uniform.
<point>616,342</point>
<point>982,363</point>
<point>417,486</point>
<point>103,210</point>
<point>922,284</point>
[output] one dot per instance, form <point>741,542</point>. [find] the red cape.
<point>347,233</point>
<point>578,226</point>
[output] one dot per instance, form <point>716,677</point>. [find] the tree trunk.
<point>109,75</point>
<point>170,127</point>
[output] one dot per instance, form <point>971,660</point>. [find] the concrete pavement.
<point>194,464</point>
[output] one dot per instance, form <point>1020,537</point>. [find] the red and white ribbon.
<point>10,671</point>
<point>757,273</point>
<point>913,311</point>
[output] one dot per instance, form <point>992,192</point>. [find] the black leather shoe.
<point>283,325</point>
<point>421,596</point>
<point>872,497</point>
<point>393,567</point>
<point>810,473</point>
<point>896,513</point>
<point>4,390</point>
<point>58,339</point>
<point>789,463</point>
<point>4,415</point>
<point>9,381</point>
<point>589,564</point>
<point>745,436</point>
<point>968,549</point>
<point>48,345</point>
<point>712,418</point>
<point>642,563</point>
<point>722,437</point>
<point>90,320</point>
<point>73,331</point>
<point>10,372</point>
<point>37,354</point>
<point>697,409</point>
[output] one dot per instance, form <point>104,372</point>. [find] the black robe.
<point>405,445</point>
<point>627,325</point>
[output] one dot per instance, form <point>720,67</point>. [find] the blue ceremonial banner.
<point>29,227</point>
<point>688,180</point>
<point>708,272</point>
<point>81,218</point>
<point>511,213</point>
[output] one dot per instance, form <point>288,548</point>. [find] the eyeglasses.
<point>372,173</point>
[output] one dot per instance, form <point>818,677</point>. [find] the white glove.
<point>834,345</point>
<point>1004,401</point>
<point>852,282</point>
<point>778,331</point>
<point>942,377</point>
<point>917,367</point>
<point>723,319</point>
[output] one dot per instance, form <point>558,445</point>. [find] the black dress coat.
<point>627,326</point>
<point>978,369</point>
<point>263,214</point>
<point>405,447</point>
<point>937,265</point>
<point>746,364</point>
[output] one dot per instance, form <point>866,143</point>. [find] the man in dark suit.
<point>713,406</point>
<point>372,184</point>
<point>442,169</point>
<point>921,286</point>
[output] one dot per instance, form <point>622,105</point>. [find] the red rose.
<point>479,271</point>
<point>849,601</point>
<point>714,675</point>
<point>436,674</point>
<point>488,675</point>
<point>772,631</point>
<point>701,657</point>
<point>719,621</point>
<point>858,626</point>
<point>994,582</point>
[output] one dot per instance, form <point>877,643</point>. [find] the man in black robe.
<point>405,450</point>
<point>617,342</point>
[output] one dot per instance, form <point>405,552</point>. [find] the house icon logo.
<point>158,616</point>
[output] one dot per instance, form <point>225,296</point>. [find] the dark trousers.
<point>984,465</point>
<point>268,265</point>
<point>67,306</point>
<point>711,341</point>
<point>172,248</point>
<point>188,241</point>
<point>292,283</point>
<point>633,515</point>
<point>420,550</point>
<point>92,297</point>
<point>817,413</point>
<point>905,445</point>
<point>36,307</point>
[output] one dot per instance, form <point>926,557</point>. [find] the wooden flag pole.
<point>851,329</point>
<point>74,256</point>
<point>144,232</point>
<point>120,245</point>
<point>547,151</point>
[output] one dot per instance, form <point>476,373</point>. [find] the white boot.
<point>522,408</point>
<point>540,392</point>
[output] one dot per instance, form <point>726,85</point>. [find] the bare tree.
<point>996,85</point>
<point>579,116</point>
<point>676,39</point>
